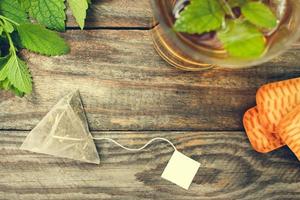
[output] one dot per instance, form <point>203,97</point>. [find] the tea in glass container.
<point>241,39</point>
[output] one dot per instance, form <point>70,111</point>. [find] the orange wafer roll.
<point>289,130</point>
<point>275,100</point>
<point>260,139</point>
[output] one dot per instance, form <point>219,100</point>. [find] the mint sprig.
<point>14,74</point>
<point>241,36</point>
<point>17,32</point>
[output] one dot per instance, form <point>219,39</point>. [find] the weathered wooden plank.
<point>116,13</point>
<point>125,85</point>
<point>230,170</point>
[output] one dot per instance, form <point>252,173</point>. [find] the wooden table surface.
<point>132,95</point>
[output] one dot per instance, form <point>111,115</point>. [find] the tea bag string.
<point>118,144</point>
<point>137,149</point>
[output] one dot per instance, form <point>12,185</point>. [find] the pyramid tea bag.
<point>64,132</point>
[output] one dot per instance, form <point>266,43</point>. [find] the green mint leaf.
<point>16,91</point>
<point>6,85</point>
<point>236,3</point>
<point>200,16</point>
<point>259,14</point>
<point>13,10</point>
<point>242,39</point>
<point>3,68</point>
<point>7,26</point>
<point>18,74</point>
<point>25,4</point>
<point>79,8</point>
<point>38,39</point>
<point>49,13</point>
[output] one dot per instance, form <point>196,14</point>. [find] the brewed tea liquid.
<point>210,43</point>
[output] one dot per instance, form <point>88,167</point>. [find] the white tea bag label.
<point>181,170</point>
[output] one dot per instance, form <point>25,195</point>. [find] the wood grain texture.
<point>125,85</point>
<point>230,170</point>
<point>116,13</point>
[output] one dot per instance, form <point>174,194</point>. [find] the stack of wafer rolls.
<point>275,121</point>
